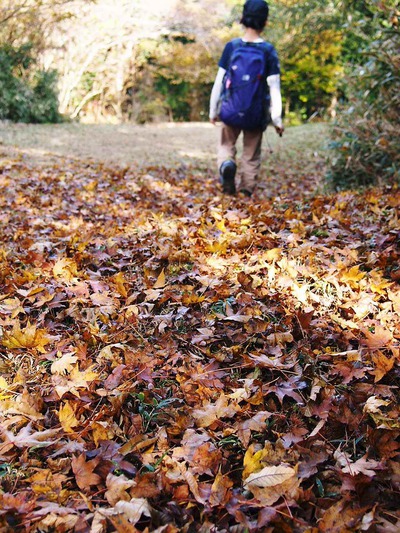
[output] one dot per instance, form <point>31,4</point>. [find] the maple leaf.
<point>65,269</point>
<point>377,339</point>
<point>363,465</point>
<point>67,417</point>
<point>340,517</point>
<point>84,471</point>
<point>28,337</point>
<point>27,438</point>
<point>286,388</point>
<point>352,276</point>
<point>25,404</point>
<point>211,412</point>
<point>132,510</point>
<point>117,487</point>
<point>12,307</point>
<point>64,364</point>
<point>383,365</point>
<point>22,502</point>
<point>76,380</point>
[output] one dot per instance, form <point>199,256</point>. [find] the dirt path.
<point>163,144</point>
<point>297,156</point>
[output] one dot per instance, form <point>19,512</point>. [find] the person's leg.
<point>251,160</point>
<point>226,158</point>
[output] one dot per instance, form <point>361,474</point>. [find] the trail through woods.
<point>175,360</point>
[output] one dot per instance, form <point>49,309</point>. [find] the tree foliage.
<point>366,135</point>
<point>27,94</point>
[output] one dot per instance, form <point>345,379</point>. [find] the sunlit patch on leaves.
<point>170,358</point>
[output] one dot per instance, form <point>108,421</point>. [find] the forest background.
<point>123,60</point>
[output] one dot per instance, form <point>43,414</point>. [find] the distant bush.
<point>366,135</point>
<point>27,94</point>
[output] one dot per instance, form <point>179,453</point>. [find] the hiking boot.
<point>227,173</point>
<point>245,193</point>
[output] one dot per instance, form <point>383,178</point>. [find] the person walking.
<point>246,99</point>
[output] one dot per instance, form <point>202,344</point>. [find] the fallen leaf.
<point>84,471</point>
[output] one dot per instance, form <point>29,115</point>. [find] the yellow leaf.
<point>4,389</point>
<point>252,461</point>
<point>66,269</point>
<point>3,383</point>
<point>160,280</point>
<point>67,417</point>
<point>100,431</point>
<point>352,276</point>
<point>119,280</point>
<point>221,225</point>
<point>28,337</point>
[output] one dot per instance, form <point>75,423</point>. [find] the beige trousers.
<point>251,156</point>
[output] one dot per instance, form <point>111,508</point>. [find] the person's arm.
<point>274,84</point>
<point>215,94</point>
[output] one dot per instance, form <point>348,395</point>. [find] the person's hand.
<point>214,121</point>
<point>279,130</point>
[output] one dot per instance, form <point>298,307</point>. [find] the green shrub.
<point>27,94</point>
<point>366,135</point>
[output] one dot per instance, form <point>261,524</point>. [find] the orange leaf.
<point>84,475</point>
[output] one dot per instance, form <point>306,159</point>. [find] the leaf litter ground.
<point>174,360</point>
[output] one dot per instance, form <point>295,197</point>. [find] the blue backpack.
<point>244,99</point>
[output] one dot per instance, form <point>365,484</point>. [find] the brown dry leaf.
<point>120,282</point>
<point>383,365</point>
<point>255,423</point>
<point>117,488</point>
<point>75,381</point>
<point>27,404</point>
<point>340,518</point>
<point>160,283</point>
<point>280,338</point>
<point>84,472</point>
<point>273,482</point>
<point>12,307</point>
<point>211,412</point>
<point>377,339</point>
<point>57,522</point>
<point>220,490</point>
